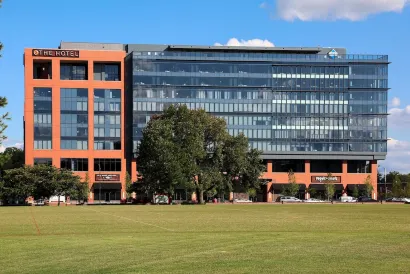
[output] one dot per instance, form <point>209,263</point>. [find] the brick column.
<point>374,179</point>
<point>269,197</point>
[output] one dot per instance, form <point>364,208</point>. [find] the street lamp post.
<point>385,185</point>
<point>99,169</point>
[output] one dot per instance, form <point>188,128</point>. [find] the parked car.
<point>406,200</point>
<point>39,202</point>
<point>366,200</point>
<point>288,199</point>
<point>313,200</point>
<point>348,199</point>
<point>242,201</point>
<point>394,200</point>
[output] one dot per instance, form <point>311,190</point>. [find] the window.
<point>42,69</point>
<point>42,118</point>
<point>43,161</point>
<point>74,164</point>
<point>359,167</point>
<point>287,165</point>
<point>326,166</point>
<point>107,72</point>
<point>107,164</point>
<point>73,71</point>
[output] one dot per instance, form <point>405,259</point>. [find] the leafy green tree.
<point>64,183</point>
<point>128,185</point>
<point>397,187</point>
<point>193,149</point>
<point>39,181</point>
<point>293,187</point>
<point>312,191</point>
<point>81,190</point>
<point>11,158</point>
<point>355,192</point>
<point>407,190</point>
<point>329,187</point>
<point>368,187</point>
<point>252,192</point>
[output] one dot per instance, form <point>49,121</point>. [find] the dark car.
<point>366,200</point>
<point>394,200</point>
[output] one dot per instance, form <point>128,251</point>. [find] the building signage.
<point>56,53</point>
<point>333,54</point>
<point>323,179</point>
<point>107,177</point>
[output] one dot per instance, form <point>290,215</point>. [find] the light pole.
<point>385,185</point>
<point>99,169</point>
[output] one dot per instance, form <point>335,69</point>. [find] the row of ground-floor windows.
<point>321,166</point>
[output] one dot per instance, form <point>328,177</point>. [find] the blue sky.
<point>371,26</point>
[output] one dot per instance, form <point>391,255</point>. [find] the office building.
<point>311,110</point>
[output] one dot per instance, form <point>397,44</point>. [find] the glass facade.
<point>282,102</point>
<point>42,118</point>
<point>74,164</point>
<point>107,119</point>
<point>74,118</point>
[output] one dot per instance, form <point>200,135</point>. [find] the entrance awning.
<point>116,186</point>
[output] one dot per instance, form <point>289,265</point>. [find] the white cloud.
<point>353,10</point>
<point>399,117</point>
<point>398,156</point>
<point>395,102</point>
<point>233,42</point>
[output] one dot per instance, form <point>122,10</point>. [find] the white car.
<point>313,200</point>
<point>242,201</point>
<point>288,199</point>
<point>348,199</point>
<point>406,200</point>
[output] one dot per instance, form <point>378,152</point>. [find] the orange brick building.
<point>313,110</point>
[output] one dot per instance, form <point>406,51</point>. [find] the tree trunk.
<point>58,200</point>
<point>200,196</point>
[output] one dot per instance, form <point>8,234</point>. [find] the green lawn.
<point>348,238</point>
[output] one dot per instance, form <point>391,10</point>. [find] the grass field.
<point>352,238</point>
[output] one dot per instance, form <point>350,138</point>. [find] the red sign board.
<point>107,177</point>
<point>326,179</point>
<point>56,53</point>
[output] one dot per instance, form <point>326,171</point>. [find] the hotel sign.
<point>107,177</point>
<point>323,179</point>
<point>56,53</point>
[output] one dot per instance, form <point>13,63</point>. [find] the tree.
<point>11,158</point>
<point>329,187</point>
<point>81,190</point>
<point>355,192</point>
<point>193,149</point>
<point>292,188</point>
<point>407,191</point>
<point>312,191</point>
<point>252,192</point>
<point>368,187</point>
<point>64,183</point>
<point>39,181</point>
<point>397,188</point>
<point>128,185</point>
